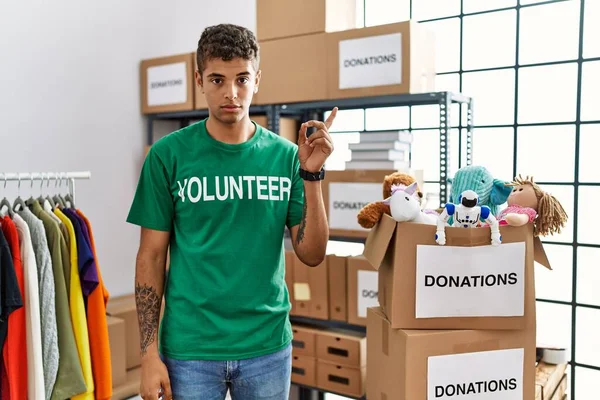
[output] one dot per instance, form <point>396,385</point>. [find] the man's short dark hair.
<point>227,41</point>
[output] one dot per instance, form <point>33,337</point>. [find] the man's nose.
<point>231,92</point>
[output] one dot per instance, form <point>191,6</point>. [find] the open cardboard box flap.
<point>380,236</point>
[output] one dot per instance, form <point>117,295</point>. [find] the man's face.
<point>228,87</point>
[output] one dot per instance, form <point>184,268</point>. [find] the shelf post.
<point>470,132</point>
<point>445,103</point>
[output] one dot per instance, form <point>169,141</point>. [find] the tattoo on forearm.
<point>148,308</point>
<point>302,227</point>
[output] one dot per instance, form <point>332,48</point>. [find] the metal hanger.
<point>5,204</point>
<point>69,197</point>
<point>42,200</point>
<point>19,203</point>
<point>58,199</point>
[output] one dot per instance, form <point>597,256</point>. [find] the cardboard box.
<point>289,278</point>
<point>340,347</point>
<point>310,290</point>
<point>291,71</point>
<point>466,284</point>
<point>116,340</point>
<point>381,60</point>
<point>131,387</point>
<point>284,18</point>
<point>167,84</point>
<point>345,193</point>
<point>341,379</point>
<point>446,364</point>
<point>124,307</point>
<point>304,341</point>
<point>304,370</point>
<point>363,289</point>
<point>288,127</point>
<point>338,290</point>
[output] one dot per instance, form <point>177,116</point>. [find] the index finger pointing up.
<point>331,117</point>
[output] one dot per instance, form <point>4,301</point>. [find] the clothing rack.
<point>58,177</point>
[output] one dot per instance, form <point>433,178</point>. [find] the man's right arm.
<point>149,285</point>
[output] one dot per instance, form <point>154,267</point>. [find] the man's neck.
<point>236,133</point>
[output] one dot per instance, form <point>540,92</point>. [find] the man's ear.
<point>257,80</point>
<point>198,77</point>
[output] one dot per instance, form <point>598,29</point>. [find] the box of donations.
<point>465,284</point>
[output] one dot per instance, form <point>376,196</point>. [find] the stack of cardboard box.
<point>455,320</point>
<point>333,360</point>
<point>321,51</point>
<point>340,289</point>
<point>124,338</point>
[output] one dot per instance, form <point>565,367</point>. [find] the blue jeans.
<point>266,377</point>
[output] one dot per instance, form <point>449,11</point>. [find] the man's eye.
<point>216,81</point>
<point>244,80</point>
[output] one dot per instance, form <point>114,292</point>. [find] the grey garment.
<point>50,354</point>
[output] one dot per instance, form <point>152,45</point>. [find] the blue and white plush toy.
<point>467,214</point>
<point>492,192</point>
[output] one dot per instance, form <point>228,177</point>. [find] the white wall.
<point>69,100</point>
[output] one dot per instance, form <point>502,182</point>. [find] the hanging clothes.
<point>47,299</point>
<point>10,298</point>
<point>78,316</point>
<point>35,371</point>
<point>15,347</point>
<point>65,246</point>
<point>69,380</point>
<point>97,326</point>
<point>85,259</point>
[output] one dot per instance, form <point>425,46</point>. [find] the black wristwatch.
<point>312,176</point>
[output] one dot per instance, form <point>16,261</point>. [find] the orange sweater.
<point>98,330</point>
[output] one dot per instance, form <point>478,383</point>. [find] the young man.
<point>220,193</point>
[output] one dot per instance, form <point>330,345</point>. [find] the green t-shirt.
<point>226,207</point>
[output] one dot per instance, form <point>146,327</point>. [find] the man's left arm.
<point>310,237</point>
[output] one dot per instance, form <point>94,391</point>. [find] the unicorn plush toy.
<point>405,205</point>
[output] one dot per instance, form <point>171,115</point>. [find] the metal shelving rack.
<point>316,109</point>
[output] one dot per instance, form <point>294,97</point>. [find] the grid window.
<point>588,275</point>
<point>471,6</point>
<point>493,95</point>
<point>588,332</point>
<point>347,120</point>
<point>547,152</point>
<point>447,44</point>
<point>586,383</point>
<point>589,162</point>
<point>493,148</point>
<point>566,195</point>
<point>590,87</point>
<point>395,11</point>
<point>385,118</point>
<point>430,9</point>
<point>533,65</point>
<point>549,32</point>
<point>553,324</point>
<point>425,153</point>
<point>548,93</point>
<point>587,231</point>
<point>555,284</point>
<point>447,83</point>
<point>591,29</point>
<point>489,40</point>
